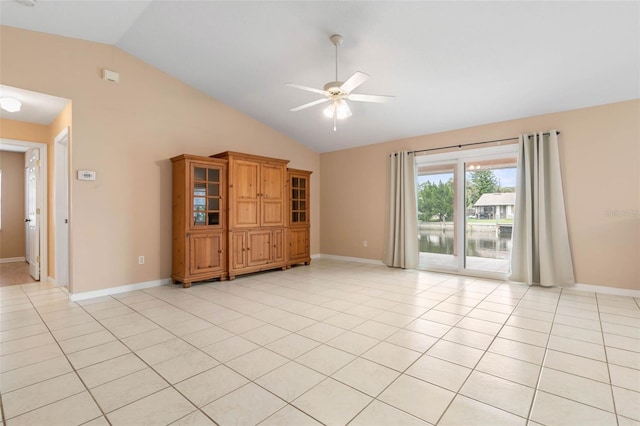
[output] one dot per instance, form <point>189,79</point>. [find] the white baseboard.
<point>74,297</point>
<point>604,290</point>
<point>347,259</point>
<point>12,259</point>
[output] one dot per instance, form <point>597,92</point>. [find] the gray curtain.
<point>541,253</point>
<point>401,221</point>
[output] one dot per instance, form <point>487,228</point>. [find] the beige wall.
<point>127,132</point>
<point>600,154</point>
<point>12,234</point>
<point>19,130</point>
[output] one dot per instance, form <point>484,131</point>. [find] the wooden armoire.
<point>256,211</point>
<point>252,216</point>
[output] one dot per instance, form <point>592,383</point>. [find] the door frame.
<point>459,158</point>
<point>61,203</point>
<point>23,146</point>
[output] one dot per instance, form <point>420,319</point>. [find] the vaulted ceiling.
<point>449,64</point>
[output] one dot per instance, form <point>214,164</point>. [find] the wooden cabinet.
<point>257,212</point>
<point>298,220</point>
<point>299,245</point>
<point>256,250</point>
<point>256,191</point>
<point>199,219</point>
<point>235,214</point>
<point>206,253</point>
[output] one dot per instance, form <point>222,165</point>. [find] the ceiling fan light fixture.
<point>340,108</point>
<point>343,110</point>
<point>10,104</point>
<point>328,111</point>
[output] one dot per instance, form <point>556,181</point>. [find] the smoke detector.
<point>28,3</point>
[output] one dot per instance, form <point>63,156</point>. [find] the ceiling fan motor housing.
<point>333,87</point>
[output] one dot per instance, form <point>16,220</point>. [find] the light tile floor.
<point>332,343</point>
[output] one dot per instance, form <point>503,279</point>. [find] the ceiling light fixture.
<point>340,108</point>
<point>10,104</point>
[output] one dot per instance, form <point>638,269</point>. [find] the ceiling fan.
<point>337,92</point>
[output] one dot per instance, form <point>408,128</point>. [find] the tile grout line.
<point>144,362</point>
<point>482,356</point>
<point>544,358</point>
<point>425,352</point>
<point>606,359</point>
<point>70,364</point>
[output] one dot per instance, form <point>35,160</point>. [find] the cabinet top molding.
<point>228,154</point>
<point>197,158</point>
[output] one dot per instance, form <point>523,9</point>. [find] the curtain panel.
<point>401,221</point>
<point>541,253</point>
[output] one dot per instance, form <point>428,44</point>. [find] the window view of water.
<point>479,244</point>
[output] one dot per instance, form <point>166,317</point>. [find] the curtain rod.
<point>471,143</point>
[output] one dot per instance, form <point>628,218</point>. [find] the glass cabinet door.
<point>299,206</point>
<point>207,205</point>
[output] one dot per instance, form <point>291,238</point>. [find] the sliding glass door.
<point>466,202</point>
<point>436,214</point>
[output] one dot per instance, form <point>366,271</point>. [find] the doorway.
<point>35,220</point>
<point>465,210</point>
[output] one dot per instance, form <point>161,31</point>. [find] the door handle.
<point>27,220</point>
<point>66,221</point>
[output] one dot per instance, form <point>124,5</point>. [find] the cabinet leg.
<point>308,262</point>
<point>232,277</point>
<point>186,285</point>
<point>223,278</point>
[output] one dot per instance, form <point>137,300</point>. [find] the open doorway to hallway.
<point>30,134</point>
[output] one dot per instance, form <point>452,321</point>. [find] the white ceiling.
<point>449,64</point>
<point>36,107</point>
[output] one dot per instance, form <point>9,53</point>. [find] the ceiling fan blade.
<point>308,89</point>
<point>370,98</point>
<point>354,81</point>
<point>310,104</point>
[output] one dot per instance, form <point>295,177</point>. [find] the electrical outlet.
<point>140,260</point>
<point>364,243</point>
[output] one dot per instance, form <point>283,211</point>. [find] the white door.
<point>33,198</point>
<point>62,208</point>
